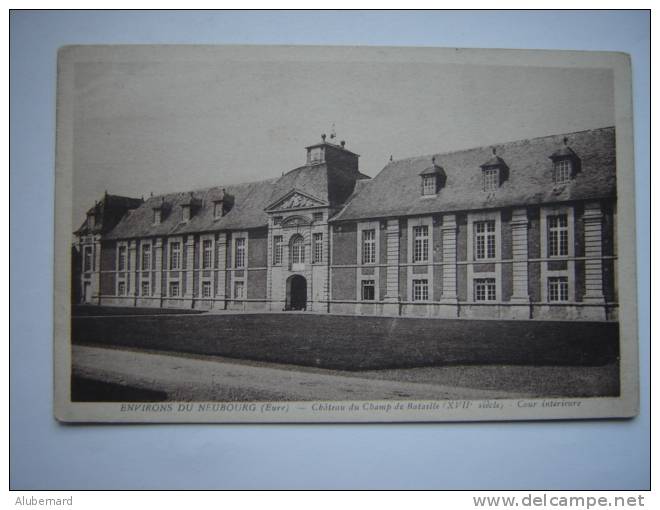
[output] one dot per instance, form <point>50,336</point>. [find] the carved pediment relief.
<point>296,221</point>
<point>296,200</point>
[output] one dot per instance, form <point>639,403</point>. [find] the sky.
<point>163,125</point>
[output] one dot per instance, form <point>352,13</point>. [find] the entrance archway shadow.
<point>296,293</point>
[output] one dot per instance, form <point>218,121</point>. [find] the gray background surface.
<point>612,454</point>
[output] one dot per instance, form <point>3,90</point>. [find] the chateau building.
<point>521,230</point>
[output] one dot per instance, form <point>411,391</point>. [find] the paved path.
<point>185,378</point>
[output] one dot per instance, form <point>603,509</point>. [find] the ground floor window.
<point>420,290</point>
<point>239,290</point>
<point>121,288</point>
<point>174,289</point>
<point>368,290</point>
<point>558,288</point>
<point>206,289</point>
<point>146,288</point>
<point>484,289</point>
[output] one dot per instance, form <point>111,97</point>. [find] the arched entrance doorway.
<point>296,293</point>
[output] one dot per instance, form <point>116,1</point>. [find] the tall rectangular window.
<point>174,289</point>
<point>369,246</point>
<point>421,243</point>
<point>558,235</point>
<point>238,290</point>
<point>145,289</point>
<point>121,288</point>
<point>491,179</point>
<point>278,243</point>
<point>484,289</point>
<point>207,254</point>
<point>206,289</point>
<point>318,247</point>
<point>563,169</point>
<point>558,288</point>
<point>175,255</point>
<point>368,290</point>
<point>239,252</point>
<point>420,290</point>
<point>484,240</point>
<point>146,257</point>
<point>87,258</point>
<point>121,258</point>
<point>428,185</point>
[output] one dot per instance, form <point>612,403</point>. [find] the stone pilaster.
<point>158,268</point>
<point>519,226</point>
<point>190,266</point>
<point>221,280</point>
<point>392,269</point>
<point>449,229</point>
<point>593,251</point>
<point>131,271</point>
<point>96,271</point>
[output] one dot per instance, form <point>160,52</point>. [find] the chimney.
<point>342,143</point>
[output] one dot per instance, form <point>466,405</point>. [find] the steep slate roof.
<point>109,210</point>
<point>396,190</point>
<point>247,212</point>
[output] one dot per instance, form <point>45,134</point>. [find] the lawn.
<point>359,343</point>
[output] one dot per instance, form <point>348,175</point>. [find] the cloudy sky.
<point>166,125</point>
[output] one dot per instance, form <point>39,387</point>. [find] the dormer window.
<point>565,164</point>
<point>315,155</point>
<point>157,216</point>
<point>91,220</point>
<point>491,178</point>
<point>563,171</point>
<point>428,185</point>
<point>185,213</point>
<point>217,210</point>
<point>494,172</point>
<point>188,207</point>
<point>433,178</point>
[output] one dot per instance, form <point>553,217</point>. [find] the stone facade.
<point>322,239</point>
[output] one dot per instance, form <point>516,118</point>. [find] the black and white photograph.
<point>328,234</point>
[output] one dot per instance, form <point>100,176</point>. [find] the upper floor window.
<point>428,185</point>
<point>239,252</point>
<point>278,243</point>
<point>558,235</point>
<point>484,239</point>
<point>318,247</point>
<point>145,289</point>
<point>87,258</point>
<point>239,288</point>
<point>563,171</point>
<point>317,217</point>
<point>421,243</point>
<point>146,257</point>
<point>207,254</point>
<point>369,246</point>
<point>175,255</point>
<point>121,288</point>
<point>491,178</point>
<point>298,250</point>
<point>174,289</point>
<point>121,258</point>
<point>277,220</point>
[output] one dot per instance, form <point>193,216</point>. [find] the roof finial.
<point>433,160</point>
<point>323,137</point>
<point>151,194</point>
<point>494,151</point>
<point>391,158</point>
<point>333,133</point>
<point>565,140</point>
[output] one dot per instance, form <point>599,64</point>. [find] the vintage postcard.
<point>343,234</point>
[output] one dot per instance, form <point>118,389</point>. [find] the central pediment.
<point>296,199</point>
